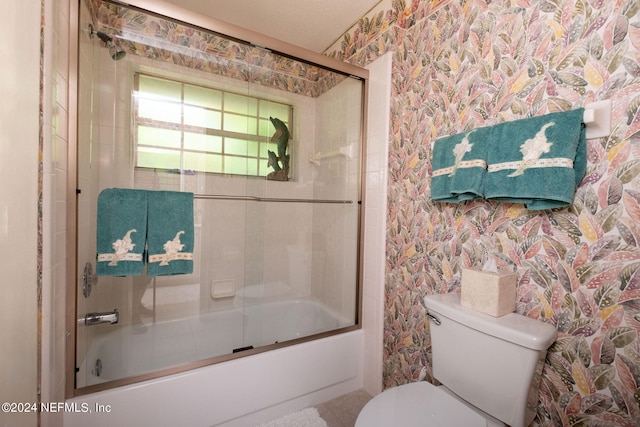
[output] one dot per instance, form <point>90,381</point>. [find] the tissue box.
<point>488,292</point>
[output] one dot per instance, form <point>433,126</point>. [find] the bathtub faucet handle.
<point>106,317</point>
<point>89,279</point>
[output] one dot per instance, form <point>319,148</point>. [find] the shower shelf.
<point>345,151</point>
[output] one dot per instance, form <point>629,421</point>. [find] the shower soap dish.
<point>223,288</point>
<point>492,293</point>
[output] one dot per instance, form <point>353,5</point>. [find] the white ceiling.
<point>312,24</point>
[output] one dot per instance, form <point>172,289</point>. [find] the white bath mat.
<point>308,417</point>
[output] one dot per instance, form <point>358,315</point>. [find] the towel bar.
<point>268,199</point>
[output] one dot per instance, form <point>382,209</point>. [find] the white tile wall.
<point>338,125</point>
<point>54,207</point>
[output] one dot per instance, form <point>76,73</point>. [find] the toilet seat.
<point>418,404</point>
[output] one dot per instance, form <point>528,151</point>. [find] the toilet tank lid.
<point>512,327</point>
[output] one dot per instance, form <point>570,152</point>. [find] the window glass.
<point>159,137</point>
<point>203,97</point>
<point>240,124</point>
<point>203,142</point>
<point>273,109</point>
<point>212,163</point>
<point>159,88</point>
<point>235,146</point>
<point>185,126</point>
<point>236,165</point>
<point>159,110</point>
<point>240,104</point>
<point>158,158</point>
<point>197,116</point>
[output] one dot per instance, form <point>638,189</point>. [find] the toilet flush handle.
<point>434,319</point>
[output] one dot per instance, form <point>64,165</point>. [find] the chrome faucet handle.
<point>98,318</point>
<point>89,279</point>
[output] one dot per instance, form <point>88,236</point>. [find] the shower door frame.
<point>274,45</point>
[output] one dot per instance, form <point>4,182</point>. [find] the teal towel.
<point>537,161</point>
<point>121,232</point>
<point>170,233</point>
<point>459,166</point>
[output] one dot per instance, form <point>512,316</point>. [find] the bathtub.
<point>136,349</point>
<point>240,392</point>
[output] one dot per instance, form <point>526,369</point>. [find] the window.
<point>180,126</point>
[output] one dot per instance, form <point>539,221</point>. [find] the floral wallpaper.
<point>463,64</point>
<point>171,41</point>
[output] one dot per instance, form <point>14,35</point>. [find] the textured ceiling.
<point>312,24</point>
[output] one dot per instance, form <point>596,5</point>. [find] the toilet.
<point>490,368</point>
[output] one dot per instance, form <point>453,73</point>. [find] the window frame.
<point>263,141</point>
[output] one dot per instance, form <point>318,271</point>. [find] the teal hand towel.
<point>459,166</point>
<point>121,232</point>
<point>537,161</point>
<point>170,233</point>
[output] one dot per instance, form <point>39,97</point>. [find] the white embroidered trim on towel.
<point>115,258</point>
<point>164,259</point>
<point>477,163</point>
<point>172,250</point>
<point>121,248</point>
<point>558,162</point>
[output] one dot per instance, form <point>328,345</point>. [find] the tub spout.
<point>97,318</point>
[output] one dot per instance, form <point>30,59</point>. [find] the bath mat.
<point>308,417</point>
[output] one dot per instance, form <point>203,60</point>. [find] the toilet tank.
<point>494,363</point>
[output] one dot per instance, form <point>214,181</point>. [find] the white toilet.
<point>489,366</point>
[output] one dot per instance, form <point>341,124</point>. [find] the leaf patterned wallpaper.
<point>170,41</point>
<point>463,64</point>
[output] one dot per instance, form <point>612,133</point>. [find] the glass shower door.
<point>303,233</point>
<point>276,229</point>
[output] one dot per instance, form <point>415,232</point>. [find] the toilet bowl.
<point>421,404</point>
<point>490,368</point>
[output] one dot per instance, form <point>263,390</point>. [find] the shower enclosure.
<point>270,145</point>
